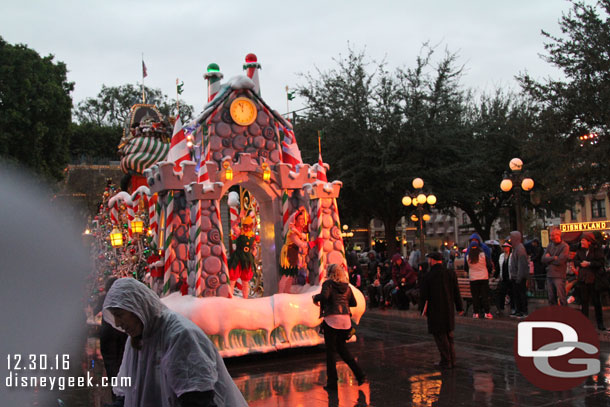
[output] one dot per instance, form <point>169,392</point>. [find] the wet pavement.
<point>398,356</point>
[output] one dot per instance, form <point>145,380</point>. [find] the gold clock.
<point>243,111</point>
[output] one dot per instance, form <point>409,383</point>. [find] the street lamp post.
<point>511,181</point>
<point>418,201</point>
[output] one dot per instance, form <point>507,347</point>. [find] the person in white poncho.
<point>170,360</point>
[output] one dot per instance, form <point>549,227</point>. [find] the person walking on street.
<point>505,285</point>
<point>335,299</point>
<point>439,295</point>
<point>589,260</point>
<point>556,259</point>
<point>478,265</point>
<point>519,271</point>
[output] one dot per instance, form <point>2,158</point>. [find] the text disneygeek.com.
<point>19,366</point>
<point>15,380</point>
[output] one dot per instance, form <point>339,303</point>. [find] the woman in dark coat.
<point>335,299</point>
<point>439,295</point>
<point>589,260</point>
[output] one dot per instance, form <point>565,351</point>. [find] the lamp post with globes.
<point>514,180</point>
<point>418,201</point>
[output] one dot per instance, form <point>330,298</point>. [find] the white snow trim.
<point>121,196</point>
<point>241,82</point>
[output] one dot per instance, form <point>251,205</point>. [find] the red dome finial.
<point>251,58</point>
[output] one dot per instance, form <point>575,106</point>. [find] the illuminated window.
<point>598,208</point>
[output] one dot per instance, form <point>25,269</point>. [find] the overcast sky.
<point>102,42</point>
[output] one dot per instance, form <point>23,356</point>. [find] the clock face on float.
<point>243,111</point>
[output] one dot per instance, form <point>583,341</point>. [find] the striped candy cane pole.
<point>213,76</point>
<point>317,223</point>
<point>169,235</point>
<point>153,222</point>
<point>285,213</point>
<point>197,288</point>
<point>114,212</point>
<point>131,214</point>
<point>252,66</point>
<point>225,266</point>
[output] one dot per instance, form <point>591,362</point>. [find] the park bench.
<point>464,286</point>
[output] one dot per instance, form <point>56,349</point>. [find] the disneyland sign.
<point>585,226</point>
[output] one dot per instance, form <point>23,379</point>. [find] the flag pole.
<point>287,100</point>
<point>143,76</point>
<point>319,145</point>
<point>177,98</point>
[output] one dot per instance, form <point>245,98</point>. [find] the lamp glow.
<point>406,200</point>
<point>431,199</point>
<point>414,218</point>
<point>421,199</point>
<point>506,185</point>
<point>266,172</point>
<point>137,226</point>
<point>515,164</point>
<point>116,238</point>
<point>527,184</point>
<point>426,217</point>
<point>418,183</point>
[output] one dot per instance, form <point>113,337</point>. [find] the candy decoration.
<point>252,66</point>
<point>178,150</point>
<point>153,224</point>
<point>213,76</point>
<point>198,258</point>
<point>142,152</point>
<point>290,150</point>
<point>169,229</point>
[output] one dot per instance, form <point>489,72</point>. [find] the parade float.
<point>235,168</point>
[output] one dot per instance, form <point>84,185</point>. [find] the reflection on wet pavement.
<point>398,356</point>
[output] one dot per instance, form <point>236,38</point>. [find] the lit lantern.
<point>421,199</point>
<point>137,226</point>
<point>418,183</point>
<point>426,217</point>
<point>431,199</point>
<point>406,200</point>
<point>414,218</point>
<point>506,185</point>
<point>266,172</point>
<point>228,170</point>
<point>527,184</point>
<point>116,238</point>
<point>515,164</point>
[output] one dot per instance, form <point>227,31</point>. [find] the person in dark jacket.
<point>400,269</point>
<point>439,295</point>
<point>556,260</point>
<point>519,272</point>
<point>335,299</point>
<point>589,260</point>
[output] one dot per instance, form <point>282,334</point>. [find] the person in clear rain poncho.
<point>170,360</point>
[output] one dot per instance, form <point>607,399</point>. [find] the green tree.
<point>92,143</point>
<point>35,110</point>
<point>379,129</point>
<point>112,105</point>
<point>578,103</point>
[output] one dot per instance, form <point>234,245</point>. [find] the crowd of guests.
<point>564,273</point>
